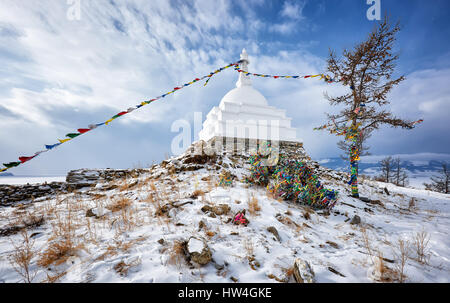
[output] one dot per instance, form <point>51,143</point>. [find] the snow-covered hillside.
<point>136,230</point>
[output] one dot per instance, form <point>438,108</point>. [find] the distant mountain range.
<point>418,166</point>
<point>6,175</point>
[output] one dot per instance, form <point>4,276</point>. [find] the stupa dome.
<point>245,94</point>
<point>245,113</point>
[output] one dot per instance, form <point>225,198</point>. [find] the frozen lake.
<point>11,180</point>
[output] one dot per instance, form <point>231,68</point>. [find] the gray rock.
<point>198,251</point>
<point>90,213</point>
<point>274,231</point>
<point>303,272</point>
<point>218,210</point>
<point>355,220</point>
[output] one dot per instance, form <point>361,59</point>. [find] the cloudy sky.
<point>60,73</point>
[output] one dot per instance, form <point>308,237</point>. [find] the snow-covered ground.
<point>132,233</point>
<point>16,180</point>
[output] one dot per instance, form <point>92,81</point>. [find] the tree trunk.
<point>354,170</point>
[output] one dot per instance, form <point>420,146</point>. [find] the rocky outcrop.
<point>10,194</point>
<point>88,177</point>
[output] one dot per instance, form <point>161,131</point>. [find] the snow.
<point>17,180</point>
<point>131,236</point>
<point>195,245</point>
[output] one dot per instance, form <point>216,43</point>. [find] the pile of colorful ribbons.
<point>291,180</point>
<point>225,179</point>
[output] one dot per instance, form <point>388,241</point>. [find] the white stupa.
<point>244,113</point>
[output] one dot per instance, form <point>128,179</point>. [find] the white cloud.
<point>293,9</point>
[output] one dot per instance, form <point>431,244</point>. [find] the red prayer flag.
<point>25,159</point>
<point>83,130</point>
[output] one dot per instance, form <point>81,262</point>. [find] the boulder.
<point>218,210</point>
<point>198,251</point>
<point>355,220</point>
<point>303,272</point>
<point>274,231</point>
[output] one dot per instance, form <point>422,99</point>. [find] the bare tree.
<point>367,69</point>
<point>387,169</point>
<point>440,183</point>
<point>400,177</point>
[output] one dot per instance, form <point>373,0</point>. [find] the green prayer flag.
<point>12,164</point>
<point>72,135</point>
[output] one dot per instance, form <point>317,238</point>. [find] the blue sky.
<point>59,75</point>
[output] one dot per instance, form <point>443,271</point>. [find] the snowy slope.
<point>132,233</point>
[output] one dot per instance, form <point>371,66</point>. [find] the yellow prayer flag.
<point>64,140</point>
<point>110,120</point>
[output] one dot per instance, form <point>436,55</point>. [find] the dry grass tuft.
<point>421,240</point>
<point>412,204</point>
<point>21,258</point>
<point>123,267</point>
<point>177,253</point>
<point>54,278</point>
<point>402,252</point>
<point>384,273</point>
<point>253,206</point>
<point>57,253</point>
<point>197,193</point>
<point>366,242</point>
<point>119,204</point>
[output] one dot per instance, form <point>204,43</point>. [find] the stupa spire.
<point>244,80</point>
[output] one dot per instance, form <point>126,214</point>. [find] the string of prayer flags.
<point>326,78</point>
<point>208,77</point>
<point>81,131</point>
